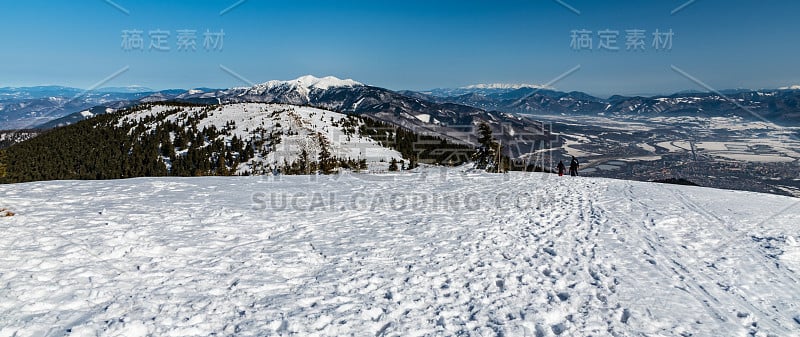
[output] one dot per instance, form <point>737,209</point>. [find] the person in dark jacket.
<point>561,168</point>
<point>573,167</point>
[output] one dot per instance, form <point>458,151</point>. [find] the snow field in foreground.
<point>412,254</point>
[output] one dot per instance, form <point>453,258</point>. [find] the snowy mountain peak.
<point>308,82</point>
<point>791,87</point>
<point>506,86</point>
<point>325,83</point>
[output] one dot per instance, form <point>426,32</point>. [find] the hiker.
<point>560,168</point>
<point>573,167</point>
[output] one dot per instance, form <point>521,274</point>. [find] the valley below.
<point>720,152</point>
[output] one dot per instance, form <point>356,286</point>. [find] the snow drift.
<point>427,253</point>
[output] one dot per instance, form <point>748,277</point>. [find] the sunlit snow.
<point>433,252</point>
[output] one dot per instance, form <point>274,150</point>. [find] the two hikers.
<point>573,167</point>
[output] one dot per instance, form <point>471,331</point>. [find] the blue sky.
<point>403,44</point>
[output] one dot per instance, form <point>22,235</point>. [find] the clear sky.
<point>403,44</point>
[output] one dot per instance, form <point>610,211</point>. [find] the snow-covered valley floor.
<point>411,254</point>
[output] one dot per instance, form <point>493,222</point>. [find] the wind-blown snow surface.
<point>425,253</point>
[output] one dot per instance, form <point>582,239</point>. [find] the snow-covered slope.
<point>286,130</point>
<point>426,253</point>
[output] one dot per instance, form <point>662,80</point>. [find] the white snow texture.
<point>430,253</point>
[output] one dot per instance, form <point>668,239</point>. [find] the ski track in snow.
<point>525,255</point>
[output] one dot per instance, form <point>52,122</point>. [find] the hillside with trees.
<point>180,139</point>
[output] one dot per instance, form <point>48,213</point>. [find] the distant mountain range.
<point>427,117</point>
<point>443,112</point>
<point>483,89</point>
<point>778,105</point>
<point>420,126</point>
<point>447,120</point>
<point>30,107</point>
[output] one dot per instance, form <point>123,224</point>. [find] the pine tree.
<point>486,155</point>
<point>303,162</point>
<point>167,148</point>
<point>2,165</point>
<point>180,139</point>
<point>326,162</point>
<point>222,169</point>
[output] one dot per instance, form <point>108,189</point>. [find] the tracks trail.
<point>433,253</point>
